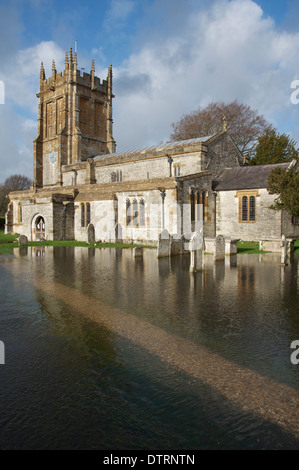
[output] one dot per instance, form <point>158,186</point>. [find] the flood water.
<point>107,351</point>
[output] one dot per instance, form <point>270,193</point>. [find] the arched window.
<point>82,214</point>
<point>128,212</point>
<point>85,214</point>
<point>19,212</point>
<point>247,207</point>
<point>113,177</point>
<point>244,208</point>
<point>135,213</point>
<point>192,206</point>
<point>252,208</point>
<point>141,213</point>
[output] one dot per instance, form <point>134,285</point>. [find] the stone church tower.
<point>74,120</point>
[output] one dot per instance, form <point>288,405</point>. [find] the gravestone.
<point>219,250</point>
<point>164,244</point>
<point>23,240</point>
<point>176,245</point>
<point>90,233</point>
<point>196,247</point>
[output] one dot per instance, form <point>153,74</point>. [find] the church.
<point>83,186</point>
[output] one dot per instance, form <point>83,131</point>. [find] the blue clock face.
<point>53,157</point>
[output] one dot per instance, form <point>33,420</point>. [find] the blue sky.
<point>169,57</point>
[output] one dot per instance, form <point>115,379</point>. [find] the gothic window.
<point>128,213</point>
<point>60,115</point>
<point>192,200</point>
<point>49,120</point>
<point>252,208</point>
<point>135,213</point>
<point>82,214</point>
<point>19,213</point>
<point>141,213</point>
<point>99,123</point>
<point>247,207</point>
<point>85,214</point>
<point>244,208</point>
<point>113,177</point>
<point>84,115</point>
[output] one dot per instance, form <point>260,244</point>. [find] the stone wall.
<point>222,153</point>
<point>290,225</point>
<point>266,226</point>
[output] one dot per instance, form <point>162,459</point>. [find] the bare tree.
<point>17,183</point>
<point>244,124</point>
<point>12,183</point>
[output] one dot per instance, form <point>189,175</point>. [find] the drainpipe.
<point>170,161</point>
<point>163,195</point>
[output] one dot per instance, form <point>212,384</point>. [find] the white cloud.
<point>20,74</point>
<point>230,51</point>
<point>118,12</point>
<point>227,51</point>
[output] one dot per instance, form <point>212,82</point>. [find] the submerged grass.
<point>248,247</point>
<point>9,242</point>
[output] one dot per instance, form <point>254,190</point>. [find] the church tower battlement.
<point>74,120</point>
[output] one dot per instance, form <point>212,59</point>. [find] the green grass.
<point>248,247</point>
<point>7,243</point>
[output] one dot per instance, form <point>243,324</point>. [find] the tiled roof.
<point>156,148</point>
<point>246,177</point>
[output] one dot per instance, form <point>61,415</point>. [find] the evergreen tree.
<point>285,183</point>
<point>273,147</point>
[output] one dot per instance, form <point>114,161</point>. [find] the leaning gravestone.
<point>90,234</point>
<point>219,251</point>
<point>23,240</point>
<point>164,244</point>
<point>196,247</point>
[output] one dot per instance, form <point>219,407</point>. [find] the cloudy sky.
<point>169,57</point>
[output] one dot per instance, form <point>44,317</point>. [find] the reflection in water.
<point>216,341</point>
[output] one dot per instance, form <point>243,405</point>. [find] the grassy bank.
<point>253,247</point>
<point>8,242</point>
<point>248,247</point>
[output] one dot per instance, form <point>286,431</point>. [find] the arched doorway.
<point>40,232</point>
